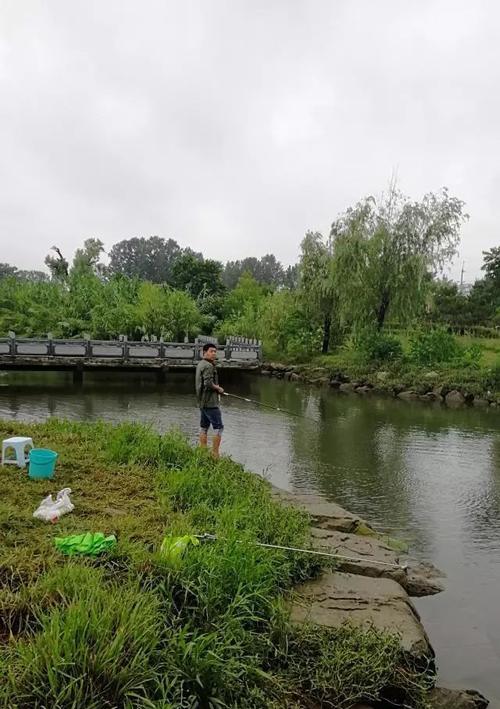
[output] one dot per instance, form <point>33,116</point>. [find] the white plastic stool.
<point>19,444</point>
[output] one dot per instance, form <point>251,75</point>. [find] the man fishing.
<point>207,392</point>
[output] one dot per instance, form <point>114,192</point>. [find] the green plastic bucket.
<point>42,463</point>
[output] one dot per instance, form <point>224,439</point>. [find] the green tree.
<point>115,313</point>
<point>491,265</point>
<point>286,328</point>
<point>484,298</point>
<point>199,278</point>
<point>448,305</point>
<point>248,292</point>
<point>266,270</point>
<point>31,309</point>
<point>383,252</point>
<point>183,314</point>
<point>149,259</point>
<point>243,308</point>
<point>162,311</point>
<point>86,260</point>
<point>316,283</point>
<point>7,270</point>
<point>57,265</point>
<point>291,277</point>
<point>151,309</point>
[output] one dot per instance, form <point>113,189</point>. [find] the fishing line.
<point>269,406</point>
<point>357,559</point>
<point>292,413</point>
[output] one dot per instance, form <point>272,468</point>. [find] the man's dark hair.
<point>208,346</point>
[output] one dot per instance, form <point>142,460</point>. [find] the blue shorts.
<point>211,417</point>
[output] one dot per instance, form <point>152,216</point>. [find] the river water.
<point>425,474</point>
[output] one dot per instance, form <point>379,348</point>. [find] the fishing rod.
<point>269,406</point>
<point>357,559</point>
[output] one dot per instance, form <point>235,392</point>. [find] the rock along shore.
<point>375,590</point>
<point>452,398</point>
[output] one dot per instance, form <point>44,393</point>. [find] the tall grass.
<point>96,649</point>
<point>128,630</point>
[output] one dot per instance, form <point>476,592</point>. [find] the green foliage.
<point>439,346</point>
<point>162,311</point>
<point>86,259</point>
<point>491,264</point>
<point>243,309</point>
<point>248,293</point>
<point>199,277</point>
<point>279,319</point>
<point>375,346</point>
<point>31,308</point>
<point>6,270</point>
<point>149,259</point>
<point>97,649</point>
<point>378,265</point>
<point>317,289</point>
<point>128,630</point>
<point>267,271</point>
<point>492,377</point>
<point>135,443</point>
<point>352,654</point>
<point>115,312</point>
<point>433,347</point>
<point>470,356</point>
<point>57,265</point>
<point>287,330</point>
<point>383,252</point>
<point>448,305</point>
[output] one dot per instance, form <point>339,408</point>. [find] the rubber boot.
<point>203,440</point>
<point>215,446</point>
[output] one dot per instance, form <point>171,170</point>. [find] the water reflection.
<point>423,473</point>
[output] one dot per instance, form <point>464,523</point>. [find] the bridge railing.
<point>243,348</point>
<point>122,349</point>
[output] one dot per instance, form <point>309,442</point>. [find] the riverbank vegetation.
<point>371,295</point>
<point>133,629</point>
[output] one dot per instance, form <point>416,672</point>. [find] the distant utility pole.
<point>462,275</point>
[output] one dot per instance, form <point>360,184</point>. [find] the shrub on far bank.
<point>438,346</point>
<point>374,346</point>
<point>492,377</point>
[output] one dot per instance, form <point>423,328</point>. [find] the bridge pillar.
<point>78,376</point>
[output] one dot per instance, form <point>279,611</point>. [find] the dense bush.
<point>438,346</point>
<point>492,377</point>
<point>375,346</point>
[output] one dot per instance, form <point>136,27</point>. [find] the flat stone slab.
<point>337,598</point>
<point>440,698</point>
<point>368,550</point>
<point>324,514</point>
<point>355,537</point>
<point>423,579</point>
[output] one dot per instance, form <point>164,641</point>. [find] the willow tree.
<point>384,252</point>
<point>316,285</point>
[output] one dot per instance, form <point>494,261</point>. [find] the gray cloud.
<point>235,125</point>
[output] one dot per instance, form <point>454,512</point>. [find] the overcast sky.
<point>234,126</point>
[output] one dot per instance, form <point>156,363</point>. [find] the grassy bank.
<point>479,378</point>
<point>128,629</point>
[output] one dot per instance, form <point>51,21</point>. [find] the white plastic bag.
<point>50,510</point>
